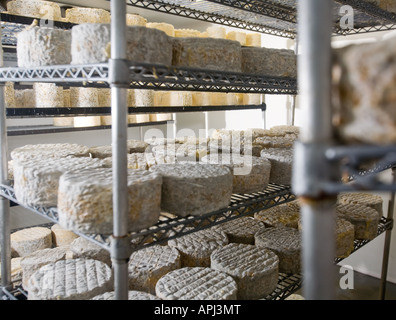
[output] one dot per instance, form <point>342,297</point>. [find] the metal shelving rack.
<point>272,17</point>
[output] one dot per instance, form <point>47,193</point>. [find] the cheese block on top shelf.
<point>254,269</point>
<point>146,266</point>
<point>363,99</point>
<point>207,53</point>
<point>194,188</point>
<point>36,181</point>
<point>147,45</point>
<point>250,174</point>
<point>87,15</point>
<point>35,8</point>
<point>71,279</point>
<point>26,241</point>
<point>196,283</point>
<point>269,62</point>
<point>85,200</point>
<point>41,46</point>
<point>49,150</point>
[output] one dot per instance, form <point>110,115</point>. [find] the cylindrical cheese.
<point>48,95</point>
<point>237,36</point>
<point>87,15</point>
<point>35,8</point>
<point>135,20</point>
<point>41,46</point>
<point>85,200</point>
<point>166,27</point>
<point>26,241</point>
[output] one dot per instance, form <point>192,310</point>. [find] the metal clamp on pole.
<point>119,73</point>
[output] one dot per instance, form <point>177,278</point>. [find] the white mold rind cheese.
<point>36,181</point>
<point>147,265</point>
<point>85,200</point>
<point>49,150</point>
<point>62,237</point>
<point>84,248</point>
<point>254,269</point>
<point>41,46</point>
<point>281,164</point>
<point>72,279</point>
<point>195,248</point>
<point>193,188</point>
<point>26,241</point>
<point>286,243</point>
<point>241,230</point>
<point>147,45</point>
<point>35,8</point>
<point>371,200</point>
<point>196,283</point>
<point>87,15</point>
<point>282,215</point>
<point>250,174</point>
<point>207,53</point>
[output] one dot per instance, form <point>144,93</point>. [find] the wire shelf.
<point>156,77</point>
<point>170,227</point>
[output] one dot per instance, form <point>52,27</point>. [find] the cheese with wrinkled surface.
<point>197,283</point>
<point>85,200</point>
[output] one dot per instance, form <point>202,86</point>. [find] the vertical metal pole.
<point>388,235</point>
<point>294,98</point>
<point>4,203</point>
<point>318,209</point>
<point>120,244</point>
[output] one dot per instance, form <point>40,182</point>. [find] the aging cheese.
<point>250,174</point>
<point>286,243</point>
<point>196,283</point>
<point>237,36</point>
<point>87,15</point>
<point>185,33</point>
<point>36,181</point>
<point>253,40</point>
<point>49,150</point>
<point>84,248</point>
<point>26,241</point>
<point>35,8</point>
<point>64,121</point>
<point>41,46</point>
<point>195,248</point>
<point>269,62</point>
<point>281,164</point>
<point>194,188</point>
<point>217,32</point>
<point>207,53</point>
<point>371,200</point>
<point>135,20</point>
<point>31,263</point>
<point>166,27</point>
<point>146,45</point>
<point>72,279</point>
<point>241,230</point>
<point>62,237</point>
<point>85,200</point>
<point>254,269</point>
<point>25,98</point>
<point>9,95</point>
<point>48,95</point>
<point>364,219</point>
<point>363,102</point>
<point>147,265</point>
<point>282,215</point>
